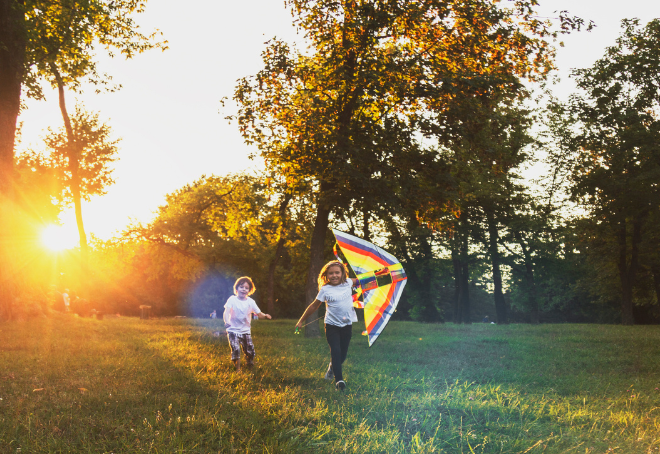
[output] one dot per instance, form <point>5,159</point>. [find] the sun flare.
<point>59,238</point>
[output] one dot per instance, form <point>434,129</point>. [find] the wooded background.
<point>426,127</point>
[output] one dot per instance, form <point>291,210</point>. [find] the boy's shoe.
<point>340,385</point>
<point>329,374</point>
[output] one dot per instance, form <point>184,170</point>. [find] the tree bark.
<point>457,315</point>
<point>462,273</point>
<point>281,239</point>
<point>493,249</point>
<point>316,257</point>
<point>655,270</point>
<point>73,153</point>
<point>13,43</point>
<point>628,271</point>
<point>464,292</point>
<point>530,284</point>
<point>366,234</point>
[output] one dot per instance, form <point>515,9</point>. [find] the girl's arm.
<point>261,316</point>
<point>310,309</point>
<point>355,281</point>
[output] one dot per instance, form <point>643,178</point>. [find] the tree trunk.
<point>73,153</point>
<point>366,234</point>
<point>493,249</point>
<point>530,284</point>
<point>316,257</point>
<point>464,293</point>
<point>458,315</point>
<point>464,266</point>
<point>414,280</point>
<point>13,42</point>
<point>428,298</point>
<point>628,272</point>
<point>655,270</point>
<point>281,239</point>
<point>462,283</point>
<point>462,274</point>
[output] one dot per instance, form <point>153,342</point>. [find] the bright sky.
<point>168,112</point>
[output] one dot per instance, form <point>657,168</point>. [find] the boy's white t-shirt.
<point>338,303</point>
<point>238,314</point>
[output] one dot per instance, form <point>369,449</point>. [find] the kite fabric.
<point>381,280</point>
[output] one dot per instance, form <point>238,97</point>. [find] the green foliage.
<point>125,385</point>
<point>619,166</point>
<point>617,157</point>
<point>96,151</point>
<point>64,35</point>
<point>206,235</point>
<point>350,115</point>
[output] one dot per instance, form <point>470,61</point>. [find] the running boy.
<point>237,317</point>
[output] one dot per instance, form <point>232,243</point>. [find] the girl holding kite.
<point>335,290</point>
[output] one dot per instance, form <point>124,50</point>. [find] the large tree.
<point>473,99</point>
<point>340,113</point>
<point>617,148</point>
<point>85,173</point>
<point>54,41</point>
<point>50,39</point>
<point>321,117</point>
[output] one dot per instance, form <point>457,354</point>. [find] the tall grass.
<point>124,385</point>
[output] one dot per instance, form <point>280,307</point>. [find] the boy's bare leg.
<point>237,364</point>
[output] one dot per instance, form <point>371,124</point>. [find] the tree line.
<point>411,124</point>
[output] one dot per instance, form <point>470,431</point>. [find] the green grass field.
<point>164,386</point>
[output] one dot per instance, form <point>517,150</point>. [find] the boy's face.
<point>242,290</point>
<point>334,275</point>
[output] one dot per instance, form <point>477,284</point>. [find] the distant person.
<point>486,320</point>
<point>67,300</point>
<point>214,314</point>
<point>336,291</point>
<point>237,317</point>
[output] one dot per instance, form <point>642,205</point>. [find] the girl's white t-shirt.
<point>238,314</point>
<point>338,303</point>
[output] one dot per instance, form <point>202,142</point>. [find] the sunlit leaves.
<point>68,34</point>
<point>618,112</point>
<point>95,152</point>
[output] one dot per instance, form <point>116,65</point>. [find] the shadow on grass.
<point>72,385</point>
<point>126,386</point>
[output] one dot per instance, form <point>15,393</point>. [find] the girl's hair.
<point>242,280</point>
<point>323,275</point>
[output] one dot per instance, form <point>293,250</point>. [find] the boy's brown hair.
<point>323,278</point>
<point>242,280</point>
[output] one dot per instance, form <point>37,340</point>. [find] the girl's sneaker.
<point>340,385</point>
<point>329,374</point>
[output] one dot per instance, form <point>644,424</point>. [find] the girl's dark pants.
<point>338,339</point>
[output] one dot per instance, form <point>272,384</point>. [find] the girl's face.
<point>242,290</point>
<point>333,274</point>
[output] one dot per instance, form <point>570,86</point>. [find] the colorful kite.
<point>380,276</point>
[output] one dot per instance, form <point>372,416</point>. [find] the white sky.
<point>168,111</point>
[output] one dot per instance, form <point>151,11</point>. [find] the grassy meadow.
<point>124,385</point>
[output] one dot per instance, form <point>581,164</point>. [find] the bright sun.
<point>58,238</point>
